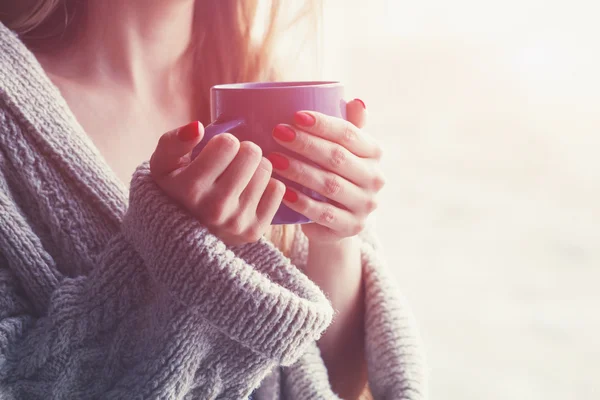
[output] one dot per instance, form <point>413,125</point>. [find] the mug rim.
<point>275,85</point>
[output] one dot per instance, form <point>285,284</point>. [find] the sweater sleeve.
<point>168,311</point>
<point>394,353</point>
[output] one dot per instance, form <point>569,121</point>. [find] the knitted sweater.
<point>109,296</point>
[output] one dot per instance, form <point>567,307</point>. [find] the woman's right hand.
<point>228,187</point>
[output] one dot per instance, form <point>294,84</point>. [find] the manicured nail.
<point>284,133</point>
<point>304,119</point>
<point>279,162</point>
<point>361,102</point>
<point>290,195</point>
<point>189,132</point>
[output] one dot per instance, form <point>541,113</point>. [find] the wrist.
<point>330,263</point>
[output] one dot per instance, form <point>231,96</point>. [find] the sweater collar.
<point>44,115</point>
<point>40,108</point>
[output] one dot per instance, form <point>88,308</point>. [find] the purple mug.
<point>250,111</point>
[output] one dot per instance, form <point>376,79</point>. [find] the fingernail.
<point>290,195</point>
<point>361,102</point>
<point>279,162</point>
<point>304,119</point>
<point>189,132</point>
<point>284,133</point>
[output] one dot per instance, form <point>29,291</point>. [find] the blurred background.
<point>489,112</point>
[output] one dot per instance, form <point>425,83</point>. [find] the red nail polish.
<point>189,132</point>
<point>279,162</point>
<point>290,195</point>
<point>304,119</point>
<point>362,103</point>
<point>284,133</point>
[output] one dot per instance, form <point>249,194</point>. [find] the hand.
<point>349,176</point>
<point>228,187</point>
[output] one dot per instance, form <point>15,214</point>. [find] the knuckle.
<point>236,226</point>
<point>322,123</point>
<point>226,141</point>
<point>333,186</point>
<point>278,188</point>
<point>349,134</point>
<point>196,190</point>
<point>305,207</point>
<point>276,191</point>
<point>216,212</point>
<point>371,205</point>
<point>378,182</point>
<point>298,171</point>
<point>357,228</point>
<point>163,141</point>
<point>250,149</point>
<point>254,233</point>
<point>265,166</point>
<point>327,215</point>
<point>338,157</point>
<point>306,144</point>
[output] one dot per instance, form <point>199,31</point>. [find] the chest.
<point>124,126</point>
<point>126,136</point>
<point>123,143</point>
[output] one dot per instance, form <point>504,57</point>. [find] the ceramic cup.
<point>250,111</point>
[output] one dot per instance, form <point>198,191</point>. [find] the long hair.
<point>225,43</point>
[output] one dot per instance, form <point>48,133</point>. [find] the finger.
<point>333,157</point>
<point>235,178</point>
<point>356,113</point>
<point>174,148</point>
<point>341,221</point>
<point>256,187</point>
<point>326,183</point>
<point>270,202</point>
<point>335,130</point>
<point>212,161</point>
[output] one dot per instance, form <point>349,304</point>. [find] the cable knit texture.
<point>109,296</point>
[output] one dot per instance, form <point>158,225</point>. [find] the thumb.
<point>174,148</point>
<point>356,113</point>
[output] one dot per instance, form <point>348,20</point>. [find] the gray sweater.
<point>109,296</point>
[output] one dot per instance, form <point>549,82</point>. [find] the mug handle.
<point>213,130</point>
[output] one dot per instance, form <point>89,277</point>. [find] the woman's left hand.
<point>349,176</point>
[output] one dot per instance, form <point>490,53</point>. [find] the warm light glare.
<point>489,112</point>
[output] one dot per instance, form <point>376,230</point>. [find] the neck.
<point>134,42</point>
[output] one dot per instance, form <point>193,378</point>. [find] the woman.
<point>174,292</point>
